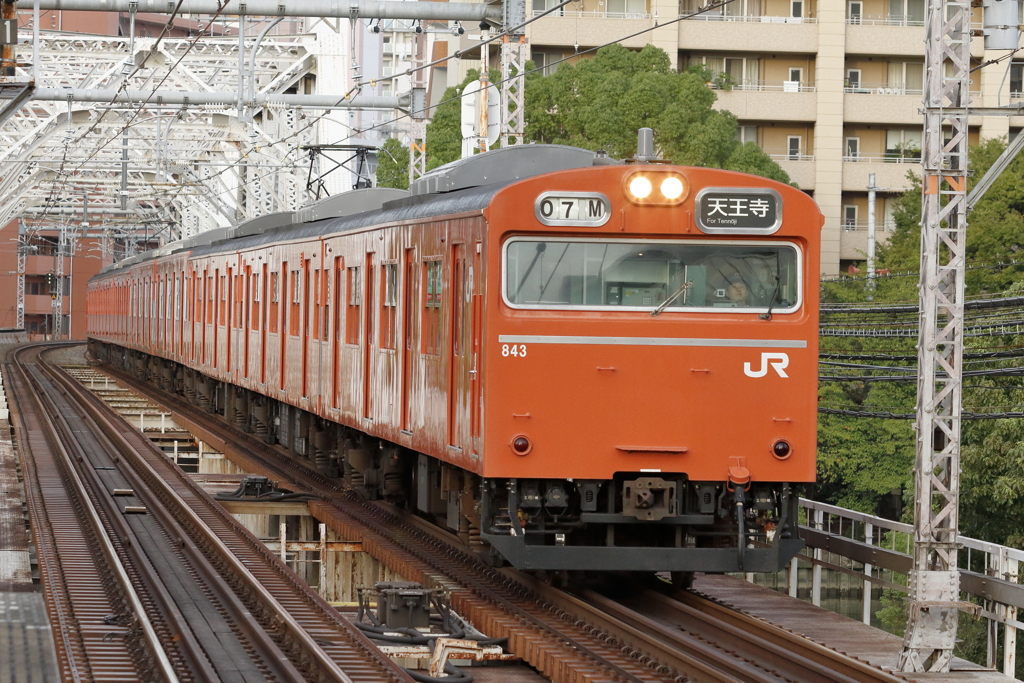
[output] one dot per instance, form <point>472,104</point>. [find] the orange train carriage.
<point>574,363</point>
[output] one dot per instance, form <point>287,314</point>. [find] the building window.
<point>1017,79</point>
<point>855,12</point>
<point>746,134</point>
<point>906,12</point>
<point>905,78</point>
<point>543,5</point>
<point>627,9</point>
<point>903,143</point>
<point>849,217</point>
<point>852,80</point>
<point>852,149</point>
<point>796,8</point>
<point>793,145</point>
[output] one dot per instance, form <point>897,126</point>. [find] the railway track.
<point>145,576</point>
<point>566,638</point>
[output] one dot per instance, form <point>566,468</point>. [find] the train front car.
<point>650,354</point>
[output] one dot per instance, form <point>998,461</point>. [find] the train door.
<point>264,308</point>
<point>285,295</point>
<point>408,316</point>
<point>306,327</point>
<point>339,271</point>
<point>229,303</point>
<point>368,337</point>
<point>218,316</point>
<point>475,380</point>
<point>458,364</point>
<point>246,321</point>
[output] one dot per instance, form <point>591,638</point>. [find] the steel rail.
<point>311,648</point>
<point>164,667</point>
<point>223,599</point>
<point>418,553</point>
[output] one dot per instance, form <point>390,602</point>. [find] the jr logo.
<point>778,361</point>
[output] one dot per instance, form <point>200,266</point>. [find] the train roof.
<point>463,185</point>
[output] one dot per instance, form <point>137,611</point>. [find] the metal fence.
<point>873,554</point>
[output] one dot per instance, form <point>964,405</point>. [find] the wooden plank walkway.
<point>832,630</point>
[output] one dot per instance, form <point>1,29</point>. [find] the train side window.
<point>254,314</point>
<point>325,301</point>
<point>354,301</point>
<point>339,273</point>
<point>430,339</point>
<point>223,306</point>
<point>389,305</point>
<point>239,300</point>
<point>295,313</point>
<point>313,325</point>
<point>275,289</point>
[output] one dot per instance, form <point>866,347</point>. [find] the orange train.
<point>576,364</point>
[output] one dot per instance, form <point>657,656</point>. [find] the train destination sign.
<point>733,210</point>
<point>573,209</point>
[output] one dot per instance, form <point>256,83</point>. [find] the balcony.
<point>800,167</point>
<point>890,172</point>
<point>764,101</point>
<point>769,34</point>
<point>597,27</point>
<point>882,37</point>
<point>39,304</point>
<point>853,239</point>
<point>893,36</point>
<point>876,103</point>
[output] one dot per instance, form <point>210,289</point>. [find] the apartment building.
<point>831,89</point>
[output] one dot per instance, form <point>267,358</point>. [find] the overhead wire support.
<point>935,580</point>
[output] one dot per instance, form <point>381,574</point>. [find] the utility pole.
<point>22,261</point>
<point>935,580</point>
<point>514,51</point>
<point>418,109</point>
<point>57,328</point>
<point>871,236</point>
<point>485,84</point>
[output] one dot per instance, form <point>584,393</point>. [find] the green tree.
<point>393,165</point>
<point>602,102</point>
<point>444,132</point>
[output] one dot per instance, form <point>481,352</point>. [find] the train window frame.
<point>433,289</point>
<point>746,310</point>
<point>353,323</point>
<point>388,305</point>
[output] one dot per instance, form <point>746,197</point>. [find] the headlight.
<point>640,187</point>
<point>656,188</point>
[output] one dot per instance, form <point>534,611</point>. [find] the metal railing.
<point>787,156</point>
<point>874,20</point>
<point>765,86</point>
<point>887,158</point>
<point>881,89</point>
<point>593,14</point>
<point>862,226</point>
<point>751,19</point>
<point>878,553</point>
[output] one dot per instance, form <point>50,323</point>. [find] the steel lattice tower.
<point>935,580</point>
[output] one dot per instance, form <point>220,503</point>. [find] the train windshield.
<point>651,275</point>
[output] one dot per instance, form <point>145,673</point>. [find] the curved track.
<point>566,638</point>
<point>199,597</point>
